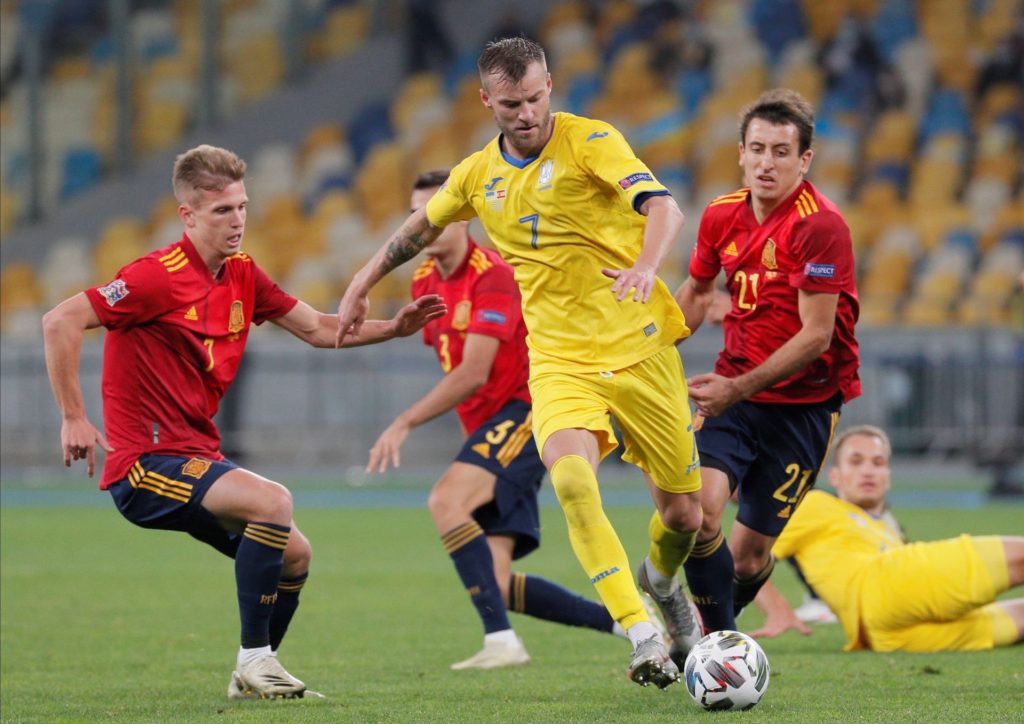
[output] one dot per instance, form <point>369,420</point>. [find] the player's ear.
<point>186,215</point>
<point>833,477</point>
<point>485,98</point>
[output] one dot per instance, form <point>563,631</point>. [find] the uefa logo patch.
<point>114,292</point>
<point>824,271</point>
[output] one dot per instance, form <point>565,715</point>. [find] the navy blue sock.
<point>709,573</point>
<point>467,546</point>
<point>540,598</point>
<point>743,592</point>
<point>287,601</point>
<point>257,573</point>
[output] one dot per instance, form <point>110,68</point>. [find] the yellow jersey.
<point>558,218</point>
<point>832,541</point>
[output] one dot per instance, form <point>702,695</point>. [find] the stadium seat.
<point>81,171</point>
<point>777,23</point>
<point>66,269</point>
<point>894,23</point>
<point>122,240</point>
<point>371,125</point>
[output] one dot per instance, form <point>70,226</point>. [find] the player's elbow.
<point>820,339</point>
<point>54,323</point>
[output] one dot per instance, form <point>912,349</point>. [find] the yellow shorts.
<point>933,596</point>
<point>650,404</point>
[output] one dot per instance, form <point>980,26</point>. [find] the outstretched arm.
<point>478,356</point>
<point>414,234</point>
<point>779,615</point>
<point>695,297</point>
<point>664,222</point>
<point>63,330</point>
<point>320,330</point>
<point>714,394</point>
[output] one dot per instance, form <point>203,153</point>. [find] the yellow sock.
<point>594,541</point>
<point>669,549</point>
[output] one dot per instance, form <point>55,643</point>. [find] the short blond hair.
<point>866,431</point>
<point>205,168</point>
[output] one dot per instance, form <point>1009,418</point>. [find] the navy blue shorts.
<point>504,446</point>
<point>772,454</point>
<point>166,492</point>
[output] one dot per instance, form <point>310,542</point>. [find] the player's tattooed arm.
<point>410,239</point>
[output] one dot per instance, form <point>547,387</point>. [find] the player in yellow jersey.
<point>890,595</point>
<point>585,226</point>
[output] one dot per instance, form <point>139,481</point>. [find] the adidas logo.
<point>731,249</point>
<point>191,315</point>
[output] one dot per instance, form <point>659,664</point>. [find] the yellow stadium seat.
<point>892,139</point>
<point>122,240</point>
<point>333,205</point>
<point>925,312</point>
<point>346,28</point>
<point>258,66</point>
<point>319,137</point>
<point>382,184</point>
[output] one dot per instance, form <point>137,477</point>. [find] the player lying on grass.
<point>890,595</point>
<point>178,320</point>
<point>485,504</point>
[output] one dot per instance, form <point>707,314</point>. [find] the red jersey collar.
<point>783,206</point>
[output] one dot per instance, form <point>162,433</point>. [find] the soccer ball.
<point>727,670</point>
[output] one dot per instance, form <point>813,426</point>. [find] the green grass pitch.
<point>101,620</point>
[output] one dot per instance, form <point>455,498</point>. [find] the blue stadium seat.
<point>946,111</point>
<point>777,24</point>
<point>372,125</point>
<point>896,173</point>
<point>81,170</point>
<point>463,65</point>
<point>894,23</point>
<point>585,87</point>
<point>964,237</point>
<point>694,86</point>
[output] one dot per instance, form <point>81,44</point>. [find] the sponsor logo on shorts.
<point>114,292</point>
<point>825,271</point>
<point>195,468</point>
<point>650,329</point>
<point>635,179</point>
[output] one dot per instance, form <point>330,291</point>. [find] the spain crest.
<point>236,319</point>
<point>462,315</point>
<point>195,468</point>
<point>768,255</point>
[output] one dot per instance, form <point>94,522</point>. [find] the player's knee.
<point>444,509</point>
<point>275,504</point>
<point>683,516</point>
<point>749,566</point>
<point>298,555</point>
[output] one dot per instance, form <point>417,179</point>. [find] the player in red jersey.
<point>790,360</point>
<point>178,320</point>
<point>485,504</point>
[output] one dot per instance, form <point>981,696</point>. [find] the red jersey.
<point>175,338</point>
<point>803,244</point>
<point>482,298</point>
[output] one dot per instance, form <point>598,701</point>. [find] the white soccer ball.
<point>727,670</point>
